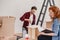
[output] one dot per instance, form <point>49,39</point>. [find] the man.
<point>29,18</point>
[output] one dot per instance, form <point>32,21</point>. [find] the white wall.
<point>18,7</point>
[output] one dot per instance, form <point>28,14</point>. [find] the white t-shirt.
<point>31,19</point>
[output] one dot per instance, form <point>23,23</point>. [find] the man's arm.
<point>23,17</point>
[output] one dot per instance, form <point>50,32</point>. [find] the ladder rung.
<point>42,13</point>
<point>40,21</point>
<point>44,5</point>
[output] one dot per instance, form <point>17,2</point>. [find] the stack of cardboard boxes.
<point>7,28</point>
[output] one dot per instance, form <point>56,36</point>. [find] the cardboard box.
<point>49,24</point>
<point>32,32</point>
<point>1,37</point>
<point>7,28</point>
<point>10,38</point>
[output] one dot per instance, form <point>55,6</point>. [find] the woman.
<point>55,16</point>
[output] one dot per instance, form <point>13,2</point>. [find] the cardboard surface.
<point>49,24</point>
<point>33,33</point>
<point>7,28</point>
<point>8,37</point>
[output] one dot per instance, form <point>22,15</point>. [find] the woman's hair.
<point>56,11</point>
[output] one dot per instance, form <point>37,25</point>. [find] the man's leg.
<point>26,30</point>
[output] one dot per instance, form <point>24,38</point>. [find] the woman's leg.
<point>43,37</point>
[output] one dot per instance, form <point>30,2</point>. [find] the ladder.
<point>43,11</point>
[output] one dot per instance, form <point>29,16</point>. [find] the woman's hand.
<point>41,33</point>
<point>49,34</point>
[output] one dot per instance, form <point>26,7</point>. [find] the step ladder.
<point>43,11</point>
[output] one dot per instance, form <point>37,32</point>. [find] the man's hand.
<point>28,20</point>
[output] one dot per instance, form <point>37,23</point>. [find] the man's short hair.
<point>34,7</point>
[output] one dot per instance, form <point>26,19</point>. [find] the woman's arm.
<point>55,29</point>
<point>49,34</point>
